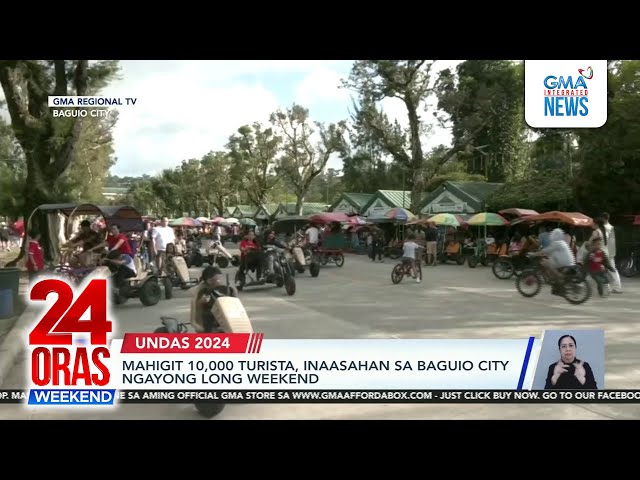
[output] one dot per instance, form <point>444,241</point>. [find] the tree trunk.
<point>36,193</point>
<point>299,204</point>
<point>417,156</point>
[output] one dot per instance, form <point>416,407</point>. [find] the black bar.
<point>357,396</point>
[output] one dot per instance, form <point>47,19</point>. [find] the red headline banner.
<point>192,342</point>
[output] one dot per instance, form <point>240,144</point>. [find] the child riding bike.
<point>409,255</point>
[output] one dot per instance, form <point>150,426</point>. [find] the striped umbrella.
<point>399,213</point>
<point>185,222</point>
<point>488,220</point>
<point>447,219</point>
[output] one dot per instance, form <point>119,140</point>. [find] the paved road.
<point>358,301</point>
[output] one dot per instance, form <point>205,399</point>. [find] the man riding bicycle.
<point>559,256</point>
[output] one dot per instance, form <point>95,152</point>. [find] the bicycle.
<point>575,288</point>
<point>630,266</point>
<point>403,269</point>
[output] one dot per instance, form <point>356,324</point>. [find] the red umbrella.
<point>330,217</point>
<point>217,220</point>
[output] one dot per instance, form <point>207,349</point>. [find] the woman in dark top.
<point>569,373</point>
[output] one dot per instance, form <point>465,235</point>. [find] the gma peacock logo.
<point>573,93</point>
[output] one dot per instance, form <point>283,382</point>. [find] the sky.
<point>186,108</point>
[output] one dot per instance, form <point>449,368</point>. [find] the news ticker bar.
<point>110,397</point>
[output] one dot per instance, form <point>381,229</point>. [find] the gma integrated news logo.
<point>69,345</point>
<point>87,106</point>
<point>565,93</point>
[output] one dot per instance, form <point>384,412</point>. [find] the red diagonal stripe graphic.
<point>260,338</point>
<point>255,344</point>
<point>249,343</point>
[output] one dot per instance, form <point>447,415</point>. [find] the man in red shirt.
<point>35,262</point>
<point>118,241</point>
<point>250,254</point>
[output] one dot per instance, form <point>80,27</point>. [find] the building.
<point>384,200</point>
<point>112,193</point>
<point>289,209</point>
<point>266,211</point>
<point>458,197</point>
<point>350,202</point>
<point>244,211</point>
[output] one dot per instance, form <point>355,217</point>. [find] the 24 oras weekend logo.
<point>565,93</point>
<point>69,345</point>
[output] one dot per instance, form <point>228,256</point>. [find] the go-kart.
<point>177,275</point>
<point>233,319</point>
<point>144,285</point>
<point>221,256</point>
<point>281,275</point>
<point>301,259</point>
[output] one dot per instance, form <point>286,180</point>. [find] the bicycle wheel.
<point>529,283</point>
<point>503,269</point>
<point>577,291</point>
<point>628,268</point>
<point>397,274</point>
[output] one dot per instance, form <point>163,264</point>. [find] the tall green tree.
<point>254,150</point>
<point>302,160</point>
<point>50,144</point>
<point>412,82</point>
<point>609,177</point>
<point>12,173</point>
<point>364,169</point>
<point>484,102</point>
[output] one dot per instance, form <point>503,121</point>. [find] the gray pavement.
<point>359,301</point>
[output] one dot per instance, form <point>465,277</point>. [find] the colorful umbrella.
<point>203,219</point>
<point>230,221</point>
<point>445,219</point>
<point>185,222</point>
<point>399,213</point>
<point>217,220</point>
<point>488,220</point>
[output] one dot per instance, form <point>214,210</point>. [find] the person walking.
<point>610,245</point>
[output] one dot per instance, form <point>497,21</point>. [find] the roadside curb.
<point>14,343</point>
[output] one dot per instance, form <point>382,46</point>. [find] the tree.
<point>485,105</point>
<point>217,183</point>
<point>88,172</point>
<point>363,166</point>
<point>609,177</point>
<point>410,81</point>
<point>301,161</point>
<point>12,173</point>
<point>254,150</point>
<point>49,143</point>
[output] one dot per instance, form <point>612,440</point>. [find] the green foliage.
<point>544,193</point>
<point>482,102</point>
<point>485,105</point>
